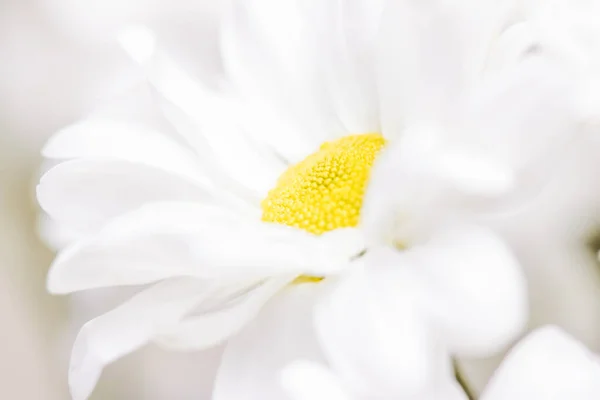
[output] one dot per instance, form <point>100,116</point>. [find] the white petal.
<point>478,292</point>
<point>216,326</point>
<point>348,31</point>
<point>105,138</point>
<point>127,328</point>
<point>54,235</point>
<point>164,240</point>
<point>511,47</point>
<point>524,119</point>
<point>373,332</point>
<point>430,53</point>
<point>510,139</point>
<point>546,365</point>
<point>272,51</point>
<point>213,167</point>
<point>475,174</point>
<point>85,194</point>
<point>567,32</point>
<point>421,179</point>
<point>218,136</point>
<point>319,52</point>
<point>253,360</point>
<point>305,380</point>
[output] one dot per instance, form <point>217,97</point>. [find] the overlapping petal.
<point>430,54</point>
<point>477,290</point>
<point>85,194</point>
<point>163,240</point>
<point>281,333</point>
<point>217,134</point>
<point>127,328</point>
<point>104,138</point>
<point>373,334</point>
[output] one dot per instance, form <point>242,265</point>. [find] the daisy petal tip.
<point>55,279</point>
<point>55,284</point>
<point>49,146</point>
<point>56,144</point>
<point>44,192</point>
<point>547,336</point>
<point>139,42</point>
<point>84,371</point>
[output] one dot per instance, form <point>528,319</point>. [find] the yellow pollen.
<point>325,191</point>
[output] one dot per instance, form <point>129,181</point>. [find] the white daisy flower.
<point>548,364</point>
<point>244,222</point>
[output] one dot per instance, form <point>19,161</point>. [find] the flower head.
<point>243,212</point>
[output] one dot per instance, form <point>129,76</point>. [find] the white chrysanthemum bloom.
<point>546,365</point>
<point>244,222</point>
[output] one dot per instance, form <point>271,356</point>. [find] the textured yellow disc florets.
<point>325,191</point>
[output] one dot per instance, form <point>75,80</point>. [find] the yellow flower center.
<point>325,191</point>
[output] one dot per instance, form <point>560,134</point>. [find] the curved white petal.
<point>305,380</point>
<point>567,32</point>
<point>108,138</point>
<point>525,119</point>
<point>271,52</point>
<point>170,239</point>
<point>422,179</point>
<point>548,364</point>
<point>218,136</point>
<point>429,55</point>
<point>347,31</point>
<point>309,70</point>
<point>374,334</point>
<point>215,326</point>
<point>283,332</point>
<point>85,194</point>
<point>127,328</point>
<point>478,293</point>
<point>514,44</point>
<point>512,135</point>
<point>213,167</point>
<point>53,234</point>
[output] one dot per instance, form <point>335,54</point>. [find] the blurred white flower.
<point>550,210</point>
<point>546,365</point>
<point>459,294</point>
<point>488,126</point>
<point>201,211</point>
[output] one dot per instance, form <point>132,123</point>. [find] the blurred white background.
<point>57,60</point>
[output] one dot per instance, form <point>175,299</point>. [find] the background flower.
<point>554,232</point>
<point>547,364</point>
